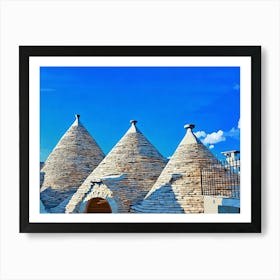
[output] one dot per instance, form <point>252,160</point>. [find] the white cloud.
<point>200,134</point>
<point>220,136</point>
<point>234,133</point>
<point>214,137</point>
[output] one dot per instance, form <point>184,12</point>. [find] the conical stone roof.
<point>69,164</point>
<point>178,188</point>
<point>124,176</point>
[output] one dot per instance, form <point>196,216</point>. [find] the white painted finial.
<point>190,137</point>
<point>133,127</point>
<point>190,126</point>
<point>77,120</point>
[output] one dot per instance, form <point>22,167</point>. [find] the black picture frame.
<point>254,52</point>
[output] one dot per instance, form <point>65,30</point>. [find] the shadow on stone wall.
<point>53,198</point>
<point>162,200</point>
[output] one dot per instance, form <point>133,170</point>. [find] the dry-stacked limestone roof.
<point>69,164</point>
<point>178,188</point>
<point>72,159</point>
<point>124,176</point>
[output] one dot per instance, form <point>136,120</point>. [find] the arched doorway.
<point>98,205</point>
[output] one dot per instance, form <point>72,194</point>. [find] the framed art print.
<point>140,138</point>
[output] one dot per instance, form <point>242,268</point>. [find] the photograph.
<point>157,163</point>
<point>156,131</point>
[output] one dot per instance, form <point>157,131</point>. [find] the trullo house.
<point>178,188</point>
<point>122,179</point>
<point>68,165</point>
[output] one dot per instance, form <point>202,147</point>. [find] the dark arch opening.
<point>98,205</point>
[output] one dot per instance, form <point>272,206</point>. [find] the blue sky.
<point>162,99</point>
